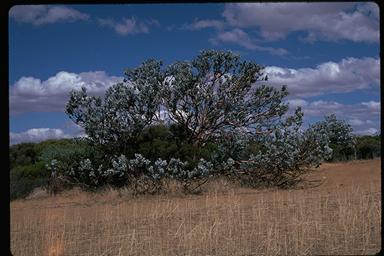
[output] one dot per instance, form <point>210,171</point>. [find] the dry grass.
<point>330,219</point>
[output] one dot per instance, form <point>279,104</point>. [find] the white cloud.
<point>30,94</point>
<point>73,129</point>
<point>153,22</point>
<point>239,37</point>
<point>360,115</point>
<point>293,103</point>
<point>201,24</point>
<point>372,105</point>
<point>355,112</point>
<point>44,14</point>
<point>356,122</point>
<point>347,75</point>
<point>129,26</point>
<point>321,108</point>
<point>326,21</point>
<point>368,131</point>
<point>37,135</point>
<point>236,36</point>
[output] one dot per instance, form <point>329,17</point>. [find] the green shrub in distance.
<point>25,178</point>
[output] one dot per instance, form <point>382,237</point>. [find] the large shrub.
<point>220,117</point>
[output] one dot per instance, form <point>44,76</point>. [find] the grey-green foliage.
<point>157,171</point>
<point>281,157</point>
<point>215,98</point>
<point>177,168</point>
<point>53,166</point>
<point>289,151</point>
<point>126,109</point>
<point>216,93</point>
<point>123,171</point>
<point>87,168</point>
<point>139,165</point>
<point>70,160</point>
<point>340,137</point>
<point>210,96</point>
<point>339,131</point>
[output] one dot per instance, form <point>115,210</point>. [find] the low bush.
<point>368,147</point>
<point>25,178</point>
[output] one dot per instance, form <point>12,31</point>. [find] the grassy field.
<point>340,215</point>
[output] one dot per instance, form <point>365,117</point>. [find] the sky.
<point>328,54</point>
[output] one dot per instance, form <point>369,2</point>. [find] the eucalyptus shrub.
<point>339,131</point>
<point>223,120</point>
<point>341,139</point>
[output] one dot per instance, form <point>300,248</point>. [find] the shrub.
<point>368,147</point>
<point>223,119</point>
<point>22,154</point>
<point>25,178</point>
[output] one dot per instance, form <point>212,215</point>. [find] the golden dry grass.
<point>341,216</point>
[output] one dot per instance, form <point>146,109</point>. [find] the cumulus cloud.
<point>321,108</point>
<point>236,36</point>
<point>369,131</point>
<point>372,105</point>
<point>37,135</point>
<point>357,122</point>
<point>239,37</point>
<point>30,94</point>
<point>361,123</point>
<point>44,14</point>
<point>73,129</point>
<point>325,21</point>
<point>293,103</point>
<point>128,26</point>
<point>364,117</point>
<point>360,116</point>
<point>337,77</point>
<point>360,111</point>
<point>68,130</point>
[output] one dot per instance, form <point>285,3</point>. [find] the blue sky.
<point>326,53</point>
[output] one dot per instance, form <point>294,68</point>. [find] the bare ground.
<point>336,212</point>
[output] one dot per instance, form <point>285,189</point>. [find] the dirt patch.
<point>354,173</point>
